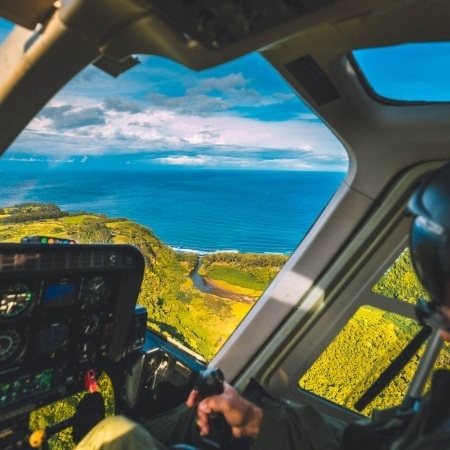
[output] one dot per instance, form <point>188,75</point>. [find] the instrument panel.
<point>47,309</point>
<point>64,312</point>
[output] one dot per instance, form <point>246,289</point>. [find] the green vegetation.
<point>353,361</point>
<point>401,282</point>
<point>92,230</point>
<point>368,344</point>
<point>247,270</point>
<point>62,410</point>
<point>26,212</point>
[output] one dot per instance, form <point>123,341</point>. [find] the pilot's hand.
<point>243,416</point>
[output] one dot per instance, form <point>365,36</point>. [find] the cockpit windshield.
<point>211,161</point>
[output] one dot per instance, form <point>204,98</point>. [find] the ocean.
<point>190,209</point>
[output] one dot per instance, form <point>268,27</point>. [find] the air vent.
<point>308,73</point>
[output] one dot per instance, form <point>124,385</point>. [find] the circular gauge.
<point>96,290</point>
<point>14,300</point>
<point>10,345</point>
<point>90,324</point>
<point>51,338</point>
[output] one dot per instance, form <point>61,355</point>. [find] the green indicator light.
<point>44,240</point>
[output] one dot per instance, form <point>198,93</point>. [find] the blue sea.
<point>190,209</point>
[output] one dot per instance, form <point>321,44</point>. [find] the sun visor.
<point>25,13</point>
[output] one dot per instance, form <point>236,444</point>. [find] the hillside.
<point>175,307</point>
<point>244,273</point>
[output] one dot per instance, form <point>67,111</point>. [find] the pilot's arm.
<point>274,425</point>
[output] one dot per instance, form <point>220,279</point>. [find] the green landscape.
<point>367,345</point>
<point>203,321</point>
<point>176,308</point>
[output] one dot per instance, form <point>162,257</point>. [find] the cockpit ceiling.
<point>205,33</point>
<point>214,24</point>
<point>219,24</point>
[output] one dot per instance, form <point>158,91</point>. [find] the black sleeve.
<point>302,428</point>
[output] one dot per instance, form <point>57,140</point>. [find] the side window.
<point>358,355</point>
<point>368,344</point>
<point>400,281</point>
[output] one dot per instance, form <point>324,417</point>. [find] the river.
<point>206,285</point>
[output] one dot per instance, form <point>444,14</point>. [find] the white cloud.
<point>227,84</point>
<point>97,130</point>
<point>184,160</point>
<point>171,116</point>
<point>22,159</point>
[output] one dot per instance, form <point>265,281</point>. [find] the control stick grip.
<point>210,382</point>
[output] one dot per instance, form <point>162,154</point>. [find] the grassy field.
<point>249,271</point>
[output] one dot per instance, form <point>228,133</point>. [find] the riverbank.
<point>221,288</point>
<point>232,294</point>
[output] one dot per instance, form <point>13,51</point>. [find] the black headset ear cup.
<point>429,243</point>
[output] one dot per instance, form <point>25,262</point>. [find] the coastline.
<point>201,252</point>
<point>241,276</point>
<point>211,252</point>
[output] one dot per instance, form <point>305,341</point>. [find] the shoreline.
<point>212,252</point>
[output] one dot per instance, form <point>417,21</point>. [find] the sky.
<point>241,115</point>
<point>408,72</point>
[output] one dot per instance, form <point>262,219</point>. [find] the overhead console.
<point>65,311</point>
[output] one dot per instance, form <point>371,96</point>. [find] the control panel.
<point>64,311</point>
<point>159,376</point>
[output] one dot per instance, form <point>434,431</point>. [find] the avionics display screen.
<point>51,338</point>
<point>60,295</point>
<point>26,386</point>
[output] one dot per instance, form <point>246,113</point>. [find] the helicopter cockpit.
<point>320,327</point>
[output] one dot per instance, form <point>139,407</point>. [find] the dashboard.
<point>65,312</point>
